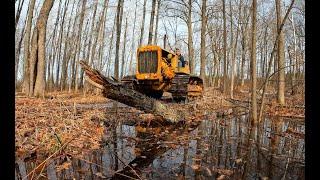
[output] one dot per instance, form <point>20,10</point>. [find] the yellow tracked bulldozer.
<point>158,71</point>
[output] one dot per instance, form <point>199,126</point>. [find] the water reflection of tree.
<point>273,146</point>
<point>252,155</point>
<point>249,143</point>
<point>198,156</point>
<point>150,149</point>
<point>219,145</point>
<point>185,156</point>
<point>115,147</point>
<point>258,147</point>
<point>228,144</point>
<point>238,155</point>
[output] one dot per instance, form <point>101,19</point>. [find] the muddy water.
<point>226,148</point>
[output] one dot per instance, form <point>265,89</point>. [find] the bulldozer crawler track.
<point>183,86</point>
<point>179,89</point>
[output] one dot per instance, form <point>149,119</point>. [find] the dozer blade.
<point>185,87</point>
<point>195,87</point>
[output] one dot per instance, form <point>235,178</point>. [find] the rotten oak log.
<point>118,92</point>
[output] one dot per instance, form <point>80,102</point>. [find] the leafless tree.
<point>203,40</point>
<point>253,63</point>
<point>18,13</point>
<point>225,71</point>
<point>280,56</point>
<point>142,23</point>
<point>38,51</point>
<point>152,21</point>
<point>124,49</point>
<point>118,31</point>
<point>26,77</point>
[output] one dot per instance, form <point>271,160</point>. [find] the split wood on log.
<point>118,92</point>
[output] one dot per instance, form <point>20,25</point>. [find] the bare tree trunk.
<point>49,82</point>
<point>39,44</point>
<point>253,64</point>
<point>265,50</point>
<point>142,25</point>
<point>26,76</point>
<point>300,59</point>
<point>152,21</point>
<point>95,35</point>
<point>92,30</point>
<point>155,38</point>
<point>219,72</point>
<point>19,43</point>
<point>294,63</point>
<point>244,26</point>
<point>102,40</point>
<point>60,43</point>
<point>124,49</point>
<point>92,42</point>
<point>225,73</point>
<point>291,64</point>
<point>214,52</point>
<point>84,53</point>
<point>72,52</point>
<point>233,63</point>
<point>97,32</point>
<point>54,55</point>
<point>33,60</point>
<point>17,55</point>
<point>78,46</point>
<point>275,65</point>
<point>133,37</point>
<point>118,30</point>
<point>111,46</point>
<point>203,41</point>
<point>66,55</point>
<point>190,38</point>
<point>72,68</point>
<point>18,13</point>
<point>52,51</point>
<point>280,56</point>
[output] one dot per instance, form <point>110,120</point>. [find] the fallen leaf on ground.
<point>99,174</point>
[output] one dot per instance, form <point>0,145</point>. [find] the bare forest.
<point>154,89</point>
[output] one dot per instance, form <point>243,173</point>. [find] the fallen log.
<point>118,92</point>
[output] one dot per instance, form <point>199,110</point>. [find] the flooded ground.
<point>222,148</point>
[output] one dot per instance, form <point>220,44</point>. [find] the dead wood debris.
<point>294,108</point>
<point>43,125</point>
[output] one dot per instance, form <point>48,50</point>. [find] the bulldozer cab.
<point>177,65</point>
<point>150,61</point>
<point>182,69</point>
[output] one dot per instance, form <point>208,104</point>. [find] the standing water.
<point>220,148</point>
